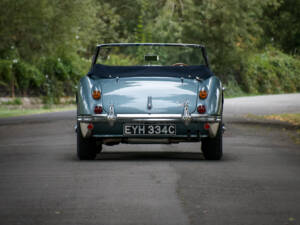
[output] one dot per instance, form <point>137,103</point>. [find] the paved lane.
<point>263,105</point>
<point>42,182</point>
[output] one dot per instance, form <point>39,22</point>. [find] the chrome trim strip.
<point>149,136</point>
<point>148,117</point>
<point>151,44</point>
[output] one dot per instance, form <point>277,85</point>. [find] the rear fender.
<point>86,103</point>
<point>213,102</point>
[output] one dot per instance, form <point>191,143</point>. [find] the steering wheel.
<point>180,64</point>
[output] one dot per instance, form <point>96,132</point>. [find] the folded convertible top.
<point>102,71</point>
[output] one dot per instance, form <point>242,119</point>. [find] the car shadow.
<point>149,156</point>
<point>152,156</point>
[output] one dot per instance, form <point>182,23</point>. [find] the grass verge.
<point>9,112</point>
<point>291,118</point>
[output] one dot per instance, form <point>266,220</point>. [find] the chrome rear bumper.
<point>148,118</point>
<point>84,120</point>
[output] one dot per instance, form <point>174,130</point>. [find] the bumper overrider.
<point>214,121</point>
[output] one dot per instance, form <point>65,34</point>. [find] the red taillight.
<point>98,109</point>
<point>201,109</point>
<point>90,126</point>
<point>206,126</point>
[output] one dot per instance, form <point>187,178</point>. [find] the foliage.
<point>52,78</point>
<point>233,89</point>
<point>46,45</point>
<point>168,24</point>
<point>121,60</point>
<point>5,72</point>
<point>8,111</point>
<point>15,101</point>
<point>42,27</point>
<point>281,25</point>
<point>292,118</point>
<point>27,77</point>
<point>228,28</point>
<point>61,76</point>
<point>19,74</point>
<point>271,71</point>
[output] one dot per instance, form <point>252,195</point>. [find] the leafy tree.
<point>41,27</point>
<point>167,26</point>
<point>228,28</point>
<point>281,25</point>
<point>46,44</point>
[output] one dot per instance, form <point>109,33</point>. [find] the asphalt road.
<point>257,182</point>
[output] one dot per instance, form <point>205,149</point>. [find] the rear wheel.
<point>87,148</point>
<point>212,148</point>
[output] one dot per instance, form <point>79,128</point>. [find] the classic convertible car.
<point>149,93</point>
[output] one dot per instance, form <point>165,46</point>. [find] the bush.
<point>62,75</point>
<point>53,77</point>
<point>271,72</point>
<point>121,60</point>
<point>20,75</point>
<point>50,77</point>
<point>16,101</point>
<point>27,77</point>
<point>232,88</point>
<point>5,72</point>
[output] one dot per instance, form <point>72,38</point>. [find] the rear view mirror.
<point>152,58</point>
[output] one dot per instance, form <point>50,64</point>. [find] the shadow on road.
<point>151,156</point>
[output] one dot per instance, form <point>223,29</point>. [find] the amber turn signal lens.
<point>96,94</point>
<point>202,94</point>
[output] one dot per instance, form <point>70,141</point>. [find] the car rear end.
<point>148,104</point>
<point>150,110</point>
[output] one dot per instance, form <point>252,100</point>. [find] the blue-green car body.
<point>149,97</point>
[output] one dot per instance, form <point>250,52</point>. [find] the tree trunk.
<point>12,89</point>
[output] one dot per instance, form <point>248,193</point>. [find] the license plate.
<point>149,129</point>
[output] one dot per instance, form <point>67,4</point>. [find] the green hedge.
<point>23,76</point>
<point>5,72</point>
<point>50,77</point>
<point>271,72</point>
